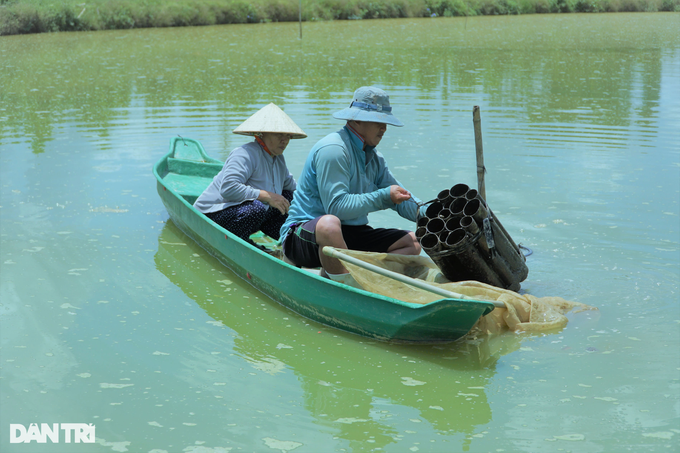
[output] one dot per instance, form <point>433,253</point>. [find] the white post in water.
<point>477,121</point>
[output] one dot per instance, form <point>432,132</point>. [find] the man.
<point>343,180</point>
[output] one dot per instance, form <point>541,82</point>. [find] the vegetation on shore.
<point>37,16</point>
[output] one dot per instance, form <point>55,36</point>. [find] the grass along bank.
<point>38,16</point>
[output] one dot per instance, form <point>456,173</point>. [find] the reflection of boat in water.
<point>369,387</point>
<point>183,174</point>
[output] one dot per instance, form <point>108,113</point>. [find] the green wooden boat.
<point>182,175</point>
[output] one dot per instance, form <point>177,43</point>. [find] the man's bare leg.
<point>407,245</point>
<point>329,232</point>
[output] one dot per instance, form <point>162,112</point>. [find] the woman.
<point>254,189</point>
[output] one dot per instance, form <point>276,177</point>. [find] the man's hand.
<point>275,201</point>
<point>399,194</point>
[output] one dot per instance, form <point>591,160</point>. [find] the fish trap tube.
<point>433,210</point>
<point>445,198</point>
<point>456,238</point>
<point>482,212</point>
<point>460,260</point>
<point>504,246</point>
<point>430,243</point>
<point>472,245</point>
<point>505,273</point>
<point>436,225</point>
<point>453,223</point>
<point>475,209</point>
<point>457,207</point>
<point>472,194</point>
<point>469,225</point>
<point>459,190</point>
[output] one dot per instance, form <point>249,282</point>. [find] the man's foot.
<point>346,279</point>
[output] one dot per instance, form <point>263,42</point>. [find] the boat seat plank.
<point>191,168</point>
<point>187,185</point>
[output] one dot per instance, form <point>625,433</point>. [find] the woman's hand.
<point>275,201</point>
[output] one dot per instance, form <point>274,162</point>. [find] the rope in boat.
<point>529,252</point>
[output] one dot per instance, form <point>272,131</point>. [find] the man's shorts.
<point>301,248</point>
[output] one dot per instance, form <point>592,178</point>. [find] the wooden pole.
<point>300,19</point>
<point>477,121</point>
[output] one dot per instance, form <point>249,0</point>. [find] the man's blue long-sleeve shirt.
<point>343,179</point>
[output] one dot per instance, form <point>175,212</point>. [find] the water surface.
<point>112,316</point>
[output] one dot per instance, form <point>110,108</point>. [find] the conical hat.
<point>270,118</point>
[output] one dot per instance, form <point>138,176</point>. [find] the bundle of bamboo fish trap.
<point>467,242</point>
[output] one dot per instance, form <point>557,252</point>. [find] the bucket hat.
<point>369,104</point>
<point>270,118</point>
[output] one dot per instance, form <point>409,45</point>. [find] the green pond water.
<point>110,316</point>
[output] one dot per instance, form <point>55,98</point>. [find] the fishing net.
<point>523,312</point>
